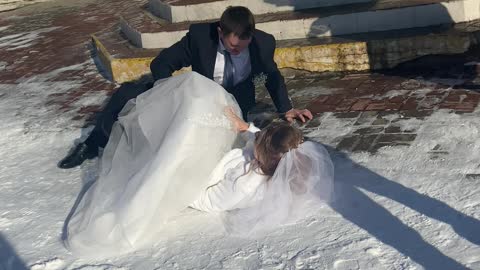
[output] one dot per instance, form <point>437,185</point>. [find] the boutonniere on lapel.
<point>259,80</point>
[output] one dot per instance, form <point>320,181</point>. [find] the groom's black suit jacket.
<point>199,49</point>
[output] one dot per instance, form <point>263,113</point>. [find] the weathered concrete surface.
<point>371,54</point>
<point>197,10</point>
<point>384,15</point>
<point>349,53</point>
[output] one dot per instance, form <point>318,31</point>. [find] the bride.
<point>173,148</point>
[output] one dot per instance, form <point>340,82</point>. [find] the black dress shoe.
<point>81,153</point>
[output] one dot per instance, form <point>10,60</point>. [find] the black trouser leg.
<point>107,117</point>
<point>244,93</point>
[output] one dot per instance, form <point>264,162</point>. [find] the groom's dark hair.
<point>238,20</point>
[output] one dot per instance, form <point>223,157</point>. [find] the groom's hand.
<point>302,115</point>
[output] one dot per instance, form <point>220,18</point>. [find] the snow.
<point>23,40</point>
<point>406,207</point>
<point>14,4</point>
<point>394,93</point>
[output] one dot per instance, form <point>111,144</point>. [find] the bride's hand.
<point>237,122</point>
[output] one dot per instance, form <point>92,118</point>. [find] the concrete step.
<point>197,10</point>
<point>147,31</point>
<point>356,52</point>
<point>123,61</point>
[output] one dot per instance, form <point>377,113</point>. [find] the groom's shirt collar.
<point>221,47</point>
<point>241,62</point>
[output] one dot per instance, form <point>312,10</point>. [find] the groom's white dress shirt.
<point>241,62</point>
<point>228,191</point>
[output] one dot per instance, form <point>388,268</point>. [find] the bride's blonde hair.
<point>272,142</point>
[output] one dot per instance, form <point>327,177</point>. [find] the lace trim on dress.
<point>210,120</point>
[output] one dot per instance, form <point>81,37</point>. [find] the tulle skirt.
<point>159,159</point>
<point>161,151</point>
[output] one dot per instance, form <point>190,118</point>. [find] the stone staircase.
<point>312,35</point>
<point>181,11</point>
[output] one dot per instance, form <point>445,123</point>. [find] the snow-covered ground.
<point>14,4</point>
<point>406,207</point>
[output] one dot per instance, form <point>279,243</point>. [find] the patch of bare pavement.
<point>49,44</point>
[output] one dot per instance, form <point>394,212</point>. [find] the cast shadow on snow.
<point>9,259</point>
<point>352,203</point>
<point>84,190</point>
<point>90,171</point>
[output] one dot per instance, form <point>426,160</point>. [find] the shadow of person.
<point>86,186</point>
<point>352,203</point>
<point>9,260</point>
<point>462,70</point>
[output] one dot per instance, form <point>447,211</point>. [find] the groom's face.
<point>233,43</point>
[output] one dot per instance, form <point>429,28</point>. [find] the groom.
<point>231,52</point>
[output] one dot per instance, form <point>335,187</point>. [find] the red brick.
<point>360,105</point>
<point>397,99</point>
<point>472,98</point>
<point>453,98</point>
<point>465,107</point>
<point>318,108</point>
<point>449,105</point>
<point>371,88</point>
<point>393,106</point>
<point>410,105</point>
<point>376,107</point>
<point>345,84</point>
<point>346,104</point>
<point>334,99</point>
<point>320,99</point>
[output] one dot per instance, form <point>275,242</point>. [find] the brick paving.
<point>374,102</point>
<point>368,99</point>
<point>66,45</point>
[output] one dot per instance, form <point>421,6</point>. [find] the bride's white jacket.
<point>233,184</point>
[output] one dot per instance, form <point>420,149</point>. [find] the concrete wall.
<point>343,24</point>
<point>374,21</point>
<point>214,10</point>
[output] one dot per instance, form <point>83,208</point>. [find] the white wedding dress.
<point>171,148</point>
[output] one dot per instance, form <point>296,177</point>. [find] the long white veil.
<point>303,176</point>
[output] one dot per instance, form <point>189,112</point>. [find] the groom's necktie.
<point>229,71</point>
